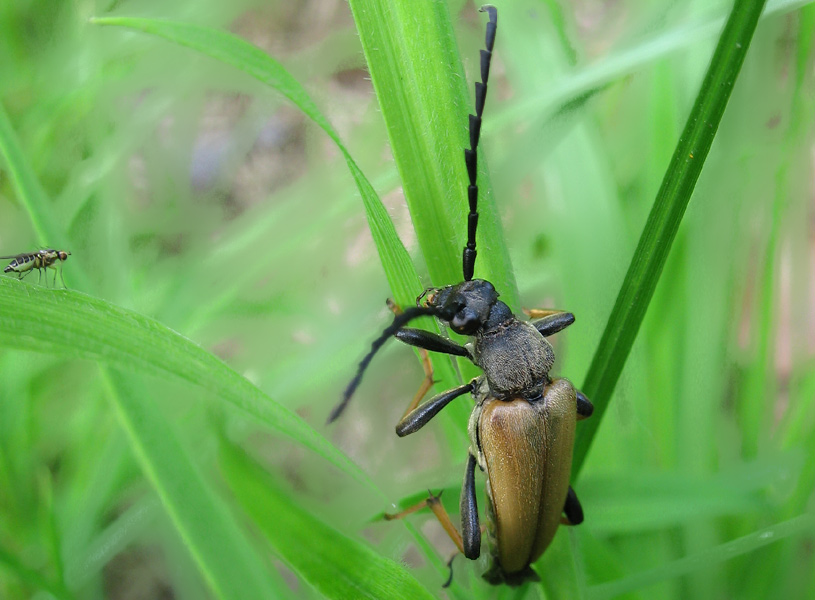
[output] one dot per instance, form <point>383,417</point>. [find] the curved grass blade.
<point>31,577</point>
<point>208,529</point>
<point>802,525</point>
<point>34,201</point>
<point>663,221</point>
<point>232,50</point>
<point>605,71</point>
<point>72,325</point>
<point>421,88</point>
<point>334,564</point>
<point>30,192</point>
<point>75,326</point>
<point>250,59</point>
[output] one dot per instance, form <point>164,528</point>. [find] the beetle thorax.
<point>515,358</point>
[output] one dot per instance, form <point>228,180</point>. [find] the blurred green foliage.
<point>197,200</point>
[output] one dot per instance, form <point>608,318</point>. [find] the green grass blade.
<point>49,321</point>
<point>220,548</point>
<point>232,50</point>
<point>72,325</point>
<point>334,564</point>
<point>420,85</point>
<point>250,59</point>
<point>33,199</point>
<point>623,63</point>
<point>12,563</point>
<point>663,221</point>
<point>113,540</point>
<point>706,559</point>
<point>30,193</point>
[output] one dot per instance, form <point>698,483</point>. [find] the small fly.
<point>47,258</point>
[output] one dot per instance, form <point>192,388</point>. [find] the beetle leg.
<point>430,341</point>
<point>468,541</point>
<point>538,313</point>
<point>419,417</point>
<point>433,503</point>
<point>584,406</point>
<point>470,529</point>
<point>409,510</point>
<point>572,508</point>
<point>425,386</point>
<point>424,340</point>
<point>551,322</point>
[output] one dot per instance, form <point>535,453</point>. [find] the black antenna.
<point>399,321</point>
<point>471,154</point>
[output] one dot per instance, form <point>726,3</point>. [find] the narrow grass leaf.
<point>30,192</point>
<point>232,50</point>
<point>34,199</point>
<point>805,524</point>
<point>621,64</point>
<point>219,546</point>
<point>76,326</point>
<point>663,221</point>
<point>421,88</point>
<point>250,59</point>
<point>334,564</point>
<point>11,563</point>
<point>72,325</point>
<point>124,530</point>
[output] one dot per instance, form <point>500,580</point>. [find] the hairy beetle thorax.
<point>515,358</point>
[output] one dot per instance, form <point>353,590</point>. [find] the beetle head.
<point>465,307</point>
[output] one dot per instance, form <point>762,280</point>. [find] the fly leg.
<point>54,283</point>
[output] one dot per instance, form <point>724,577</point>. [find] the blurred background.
<point>191,193</point>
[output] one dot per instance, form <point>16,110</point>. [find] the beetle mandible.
<point>523,425</point>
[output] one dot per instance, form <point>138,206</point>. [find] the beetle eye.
<point>465,322</point>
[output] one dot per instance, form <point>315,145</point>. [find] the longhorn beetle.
<point>523,425</point>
